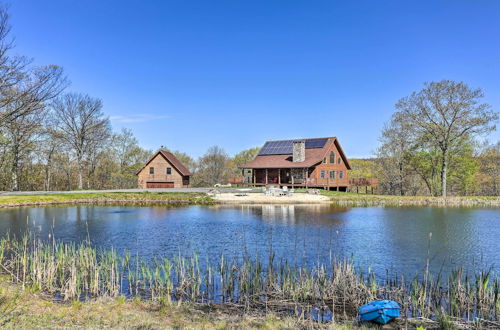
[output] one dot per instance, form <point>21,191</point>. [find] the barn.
<point>163,170</point>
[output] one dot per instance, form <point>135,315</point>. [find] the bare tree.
<point>11,67</point>
<point>22,133</point>
<point>125,151</point>
<point>82,125</point>
<point>212,167</point>
<point>50,146</point>
<point>124,145</point>
<point>395,145</point>
<point>23,89</point>
<point>445,113</point>
<point>35,88</point>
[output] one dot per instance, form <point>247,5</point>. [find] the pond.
<point>377,238</point>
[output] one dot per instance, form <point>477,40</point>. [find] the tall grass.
<point>78,271</point>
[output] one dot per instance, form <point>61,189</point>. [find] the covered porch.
<point>293,178</point>
<point>280,176</point>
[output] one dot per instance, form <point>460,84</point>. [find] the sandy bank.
<point>259,198</point>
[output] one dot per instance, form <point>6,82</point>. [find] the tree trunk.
<point>47,171</point>
<point>47,178</point>
<point>15,178</point>
<point>79,158</point>
<point>80,175</point>
<point>429,185</point>
<point>444,168</point>
<point>401,179</point>
<point>15,167</point>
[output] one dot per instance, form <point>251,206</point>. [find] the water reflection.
<point>319,214</point>
<point>382,238</point>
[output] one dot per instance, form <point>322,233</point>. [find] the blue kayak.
<point>380,311</point>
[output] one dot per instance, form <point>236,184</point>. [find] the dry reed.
<point>331,291</point>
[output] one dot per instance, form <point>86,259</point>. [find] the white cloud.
<point>138,118</point>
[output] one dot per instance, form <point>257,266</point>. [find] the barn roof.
<point>278,154</point>
<point>171,159</point>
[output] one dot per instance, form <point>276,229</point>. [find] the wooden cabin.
<point>308,163</point>
<point>163,170</point>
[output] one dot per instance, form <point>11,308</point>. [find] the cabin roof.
<point>313,156</point>
<point>167,155</point>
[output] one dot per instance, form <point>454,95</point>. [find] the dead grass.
<point>354,199</point>
<point>21,309</point>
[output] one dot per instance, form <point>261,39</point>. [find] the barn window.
<point>332,157</point>
<point>332,174</point>
<point>322,174</point>
<point>169,170</point>
<point>341,174</point>
<point>340,160</point>
<point>151,170</point>
<point>324,160</point>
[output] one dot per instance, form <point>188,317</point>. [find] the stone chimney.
<point>299,151</point>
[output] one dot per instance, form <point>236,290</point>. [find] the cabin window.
<point>322,174</point>
<point>169,170</point>
<point>324,160</point>
<point>340,160</point>
<point>151,170</point>
<point>341,174</point>
<point>332,174</point>
<point>332,157</point>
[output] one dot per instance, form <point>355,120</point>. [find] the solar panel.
<point>285,147</point>
<point>276,148</point>
<point>315,143</point>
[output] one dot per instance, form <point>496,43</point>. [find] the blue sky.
<point>191,74</point>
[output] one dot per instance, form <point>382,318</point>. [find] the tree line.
<point>54,140</point>
<point>431,145</point>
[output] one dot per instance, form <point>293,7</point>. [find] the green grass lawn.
<point>344,198</point>
<point>118,197</point>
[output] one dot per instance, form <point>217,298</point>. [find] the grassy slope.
<point>119,197</point>
<point>368,199</point>
<point>21,310</point>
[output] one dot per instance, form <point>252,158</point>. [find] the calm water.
<point>394,239</point>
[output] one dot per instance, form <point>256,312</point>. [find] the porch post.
<point>254,178</point>
<point>291,174</point>
<point>266,175</point>
<point>279,176</point>
<point>306,173</point>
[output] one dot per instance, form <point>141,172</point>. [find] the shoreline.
<point>152,299</point>
<point>27,308</point>
<point>107,198</point>
<point>202,198</point>
<point>394,201</point>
